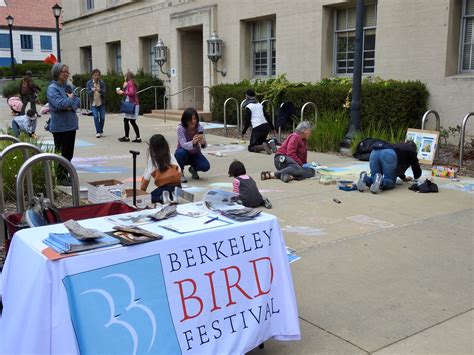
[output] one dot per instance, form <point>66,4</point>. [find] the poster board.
<point>426,144</point>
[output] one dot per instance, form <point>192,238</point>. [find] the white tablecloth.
<point>221,290</point>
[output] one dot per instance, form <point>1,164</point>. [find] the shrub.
<point>112,81</point>
<point>394,103</point>
<point>329,131</point>
<point>13,89</point>
<point>39,69</point>
<point>12,163</point>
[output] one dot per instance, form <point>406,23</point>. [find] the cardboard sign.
<point>426,143</point>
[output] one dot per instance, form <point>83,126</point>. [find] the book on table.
<point>67,243</point>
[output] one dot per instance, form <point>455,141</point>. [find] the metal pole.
<point>356,77</point>
<point>58,42</point>
<point>134,155</point>
<point>12,57</point>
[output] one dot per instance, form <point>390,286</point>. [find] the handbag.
<point>127,107</point>
<point>171,176</point>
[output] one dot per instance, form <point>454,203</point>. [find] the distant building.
<point>34,30</point>
<point>308,40</point>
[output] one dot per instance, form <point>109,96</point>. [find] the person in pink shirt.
<point>291,156</point>
<point>130,88</point>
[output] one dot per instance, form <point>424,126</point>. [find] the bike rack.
<point>236,111</point>
<point>425,118</point>
<point>84,100</point>
<point>309,103</point>
<point>25,168</point>
<point>241,115</point>
<point>461,139</point>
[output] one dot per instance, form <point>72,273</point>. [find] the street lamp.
<point>214,51</point>
<point>9,19</point>
<point>57,12</point>
<point>161,55</point>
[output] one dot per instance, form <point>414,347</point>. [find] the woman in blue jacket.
<point>64,121</point>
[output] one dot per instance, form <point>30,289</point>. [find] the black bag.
<point>286,114</point>
<point>127,107</point>
<point>46,125</point>
<point>365,147</point>
<point>426,186</point>
<point>249,193</point>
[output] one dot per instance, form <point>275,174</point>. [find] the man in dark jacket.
<point>387,162</point>
<point>28,89</point>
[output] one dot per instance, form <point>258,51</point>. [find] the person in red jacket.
<point>291,156</point>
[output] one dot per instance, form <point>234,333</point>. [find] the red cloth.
<point>294,147</point>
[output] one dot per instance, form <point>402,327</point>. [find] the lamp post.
<point>9,19</point>
<point>161,56</point>
<point>57,12</point>
<point>214,51</point>
<point>354,126</point>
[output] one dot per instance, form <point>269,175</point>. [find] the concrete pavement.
<point>385,274</point>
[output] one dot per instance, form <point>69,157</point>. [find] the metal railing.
<point>425,118</point>
<point>166,97</point>
<point>85,105</point>
<point>156,97</point>
<point>241,113</point>
<point>45,157</point>
<point>461,139</point>
<point>273,109</point>
<point>236,112</point>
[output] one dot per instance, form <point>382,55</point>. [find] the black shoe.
<point>193,173</point>
<point>65,182</point>
<point>137,140</point>
<point>124,139</point>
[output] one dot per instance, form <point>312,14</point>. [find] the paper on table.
<point>187,225</point>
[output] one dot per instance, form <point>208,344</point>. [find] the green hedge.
<point>39,70</point>
<point>395,103</point>
<point>112,81</point>
<point>13,88</point>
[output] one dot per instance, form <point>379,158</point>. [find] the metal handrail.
<point>279,128</point>
<point>461,139</point>
<point>309,103</point>
<point>156,87</point>
<point>20,198</point>
<point>425,118</point>
<point>273,109</point>
<point>84,97</point>
<point>166,97</point>
<point>236,112</point>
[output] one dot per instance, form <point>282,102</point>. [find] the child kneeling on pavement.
<point>246,187</point>
<point>25,123</point>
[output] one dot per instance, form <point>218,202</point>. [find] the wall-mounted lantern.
<point>161,55</point>
<point>214,51</point>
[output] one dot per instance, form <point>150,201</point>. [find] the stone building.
<point>427,40</point>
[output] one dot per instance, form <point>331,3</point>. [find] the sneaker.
<point>361,185</point>
<point>137,140</point>
<point>267,148</point>
<point>375,187</point>
<point>124,139</point>
<point>183,179</point>
<point>193,173</point>
<point>98,135</point>
<point>267,203</point>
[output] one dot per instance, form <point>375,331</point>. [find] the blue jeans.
<point>99,117</point>
<point>198,161</point>
<point>157,194</point>
<point>15,128</point>
<point>383,161</point>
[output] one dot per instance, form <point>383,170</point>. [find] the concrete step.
<point>175,115</point>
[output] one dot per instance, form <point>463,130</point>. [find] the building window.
<point>467,43</point>
<point>117,58</point>
<point>86,59</point>
<point>153,68</point>
<point>26,42</point>
<point>4,41</point>
<point>46,43</point>
<point>345,40</point>
<point>263,49</point>
<point>89,4</point>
